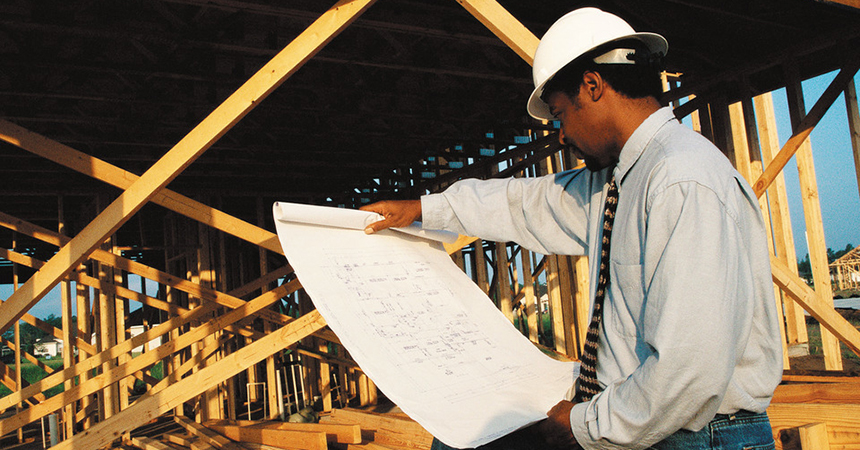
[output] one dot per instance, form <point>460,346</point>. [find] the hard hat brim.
<point>538,109</point>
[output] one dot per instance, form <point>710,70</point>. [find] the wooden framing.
<point>213,340</point>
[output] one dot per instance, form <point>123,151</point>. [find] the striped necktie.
<point>587,385</point>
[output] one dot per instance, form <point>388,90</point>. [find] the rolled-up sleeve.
<point>546,214</point>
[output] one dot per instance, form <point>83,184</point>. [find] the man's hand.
<point>556,427</point>
<point>396,213</point>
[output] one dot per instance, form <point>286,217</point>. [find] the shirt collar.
<point>640,138</point>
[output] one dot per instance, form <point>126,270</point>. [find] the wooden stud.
<point>812,214</point>
<point>532,311</point>
<point>66,314</point>
<point>796,333</point>
<point>814,436</point>
<point>822,311</point>
<point>853,111</point>
<point>581,298</point>
<point>503,282</point>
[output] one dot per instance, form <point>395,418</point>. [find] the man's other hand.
<point>396,213</point>
<point>555,429</point>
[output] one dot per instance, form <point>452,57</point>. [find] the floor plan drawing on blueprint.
<point>430,339</point>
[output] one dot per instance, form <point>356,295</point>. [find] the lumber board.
<point>843,428</point>
<point>145,443</point>
<point>149,407</point>
<point>505,26</point>
<point>814,436</point>
<point>302,440</point>
<point>206,434</point>
<point>817,393</point>
<point>376,421</point>
<point>183,440</point>
<point>336,433</point>
<point>825,314</point>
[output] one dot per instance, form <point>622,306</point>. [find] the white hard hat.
<point>573,35</point>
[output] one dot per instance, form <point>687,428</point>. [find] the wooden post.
<point>812,214</point>
<point>853,112</point>
<point>581,298</point>
<point>271,373</point>
<point>531,310</point>
<point>783,240</point>
<point>480,260</point>
<point>84,331</point>
<point>66,313</point>
<point>18,378</point>
<point>503,283</point>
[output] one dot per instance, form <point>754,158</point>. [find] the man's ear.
<point>593,84</point>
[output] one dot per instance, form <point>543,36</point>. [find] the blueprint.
<point>429,338</point>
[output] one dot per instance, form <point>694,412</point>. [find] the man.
<point>685,331</point>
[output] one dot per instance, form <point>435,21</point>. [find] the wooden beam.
<point>815,306</point>
<point>150,407</point>
<point>335,433</point>
<point>302,440</point>
<point>817,393</point>
<point>241,102</point>
<point>205,434</point>
<point>146,443</point>
<point>805,127</point>
<point>843,428</point>
<point>495,17</point>
<point>849,3</point>
<point>812,215</point>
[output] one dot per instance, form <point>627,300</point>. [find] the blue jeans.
<point>741,431</point>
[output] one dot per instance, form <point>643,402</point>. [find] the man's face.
<point>581,130</point>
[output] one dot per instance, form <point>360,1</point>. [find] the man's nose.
<point>561,136</point>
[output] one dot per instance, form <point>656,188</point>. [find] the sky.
<point>834,168</point>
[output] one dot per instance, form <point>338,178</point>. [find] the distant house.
<point>48,347</point>
<point>845,271</point>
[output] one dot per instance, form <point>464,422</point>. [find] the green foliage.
<point>804,267</point>
<point>33,373</point>
<point>31,334</point>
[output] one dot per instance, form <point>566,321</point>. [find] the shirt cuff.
<point>579,425</point>
<point>433,211</point>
